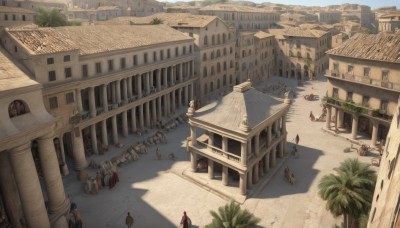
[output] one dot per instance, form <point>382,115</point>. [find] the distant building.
<point>389,22</point>
<point>15,15</point>
<point>241,135</point>
<point>329,17</point>
<point>363,84</point>
<point>362,12</point>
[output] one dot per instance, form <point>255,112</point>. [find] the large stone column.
<point>257,144</point>
<point>374,138</point>
<point>269,136</point>
<point>185,96</point>
<point>58,204</point>
<point>9,190</point>
<point>225,180</point>
<point>158,79</point>
<point>159,108</point>
<point>249,149</point>
<point>129,82</point>
<point>78,149</point>
<point>284,124</point>
<point>224,143</point>
<point>210,169</point>
<point>64,169</point>
<point>133,119</point>
<point>79,100</point>
<point>340,118</point>
<point>273,156</point>
<point>191,94</point>
<point>193,161</point>
<point>29,186</point>
<point>164,76</point>
<point>328,117</point>
<point>173,101</point>
<point>124,116</point>
<point>139,85</point>
<point>147,82</point>
<point>92,102</point>
<point>281,148</point>
<point>104,97</point>
<point>242,183</point>
<point>147,107</point>
<point>210,139</point>
<point>154,112</point>
<point>337,117</point>
<point>193,135</point>
<point>165,105</point>
<point>250,178</point>
<point>118,91</point>
<point>114,129</point>
<point>354,126</point>
<point>104,135</point>
<point>141,118</point>
<point>179,97</point>
<point>243,153</point>
<point>180,73</point>
<point>124,90</point>
<point>266,162</point>
<point>94,138</point>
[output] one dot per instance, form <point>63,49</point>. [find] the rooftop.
<point>228,112</point>
<point>370,47</point>
<point>235,8</point>
<point>95,39</point>
<point>298,32</point>
<point>7,9</point>
<point>261,35</point>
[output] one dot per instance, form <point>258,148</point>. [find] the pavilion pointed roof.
<point>244,104</point>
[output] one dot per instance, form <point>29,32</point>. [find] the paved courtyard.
<point>155,193</point>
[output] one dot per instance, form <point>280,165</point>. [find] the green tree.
<point>349,193</point>
<point>231,216</point>
<point>50,18</point>
<point>156,21</point>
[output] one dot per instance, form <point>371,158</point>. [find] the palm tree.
<point>350,192</point>
<point>231,216</point>
<point>50,18</point>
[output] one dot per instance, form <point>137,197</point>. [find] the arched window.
<point>17,108</point>
<point>205,72</point>
<point>224,80</point>
<point>205,40</point>
<point>213,40</point>
<point>224,65</point>
<point>204,57</point>
<point>218,67</point>
<point>211,86</point>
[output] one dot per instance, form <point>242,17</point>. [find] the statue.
<point>244,125</point>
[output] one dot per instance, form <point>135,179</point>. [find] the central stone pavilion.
<point>244,133</point>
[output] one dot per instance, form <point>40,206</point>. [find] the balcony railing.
<point>215,150</point>
<point>363,80</point>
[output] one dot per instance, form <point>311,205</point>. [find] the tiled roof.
<point>95,39</point>
<point>171,19</point>
<point>228,111</point>
<point>261,35</point>
<point>107,8</point>
<point>6,9</point>
<point>295,31</point>
<point>11,77</point>
<point>380,47</point>
<point>235,8</point>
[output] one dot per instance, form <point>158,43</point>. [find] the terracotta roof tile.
<point>295,31</point>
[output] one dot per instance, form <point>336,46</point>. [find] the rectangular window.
<point>67,58</point>
<point>145,57</point>
<point>365,100</point>
<point>384,105</point>
<point>85,72</point>
<point>52,76</point>
<point>336,67</point>
<point>14,17</point>
<point>335,93</point>
<point>53,102</point>
<point>135,60</point>
<point>123,63</point>
<point>23,18</point>
<point>168,53</point>
<point>98,68</point>
<point>50,61</point>
<point>366,71</point>
<point>350,69</point>
<point>6,17</point>
<point>110,65</point>
<point>68,72</point>
<point>349,96</point>
<point>176,51</point>
<point>154,56</point>
<point>385,75</point>
<point>69,97</point>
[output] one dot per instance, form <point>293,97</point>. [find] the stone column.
<point>79,100</point>
<point>269,136</point>
<point>180,73</point>
<point>266,162</point>
<point>165,79</point>
<point>147,82</point>
<point>284,124</point>
<point>29,188</point>
<point>179,97</point>
<point>173,101</point>
<point>193,161</point>
<point>129,82</point>
<point>224,143</point>
<point>243,153</point>
<point>158,79</point>
<point>141,118</point>
<point>257,144</point>
<point>337,117</point>
<point>78,149</point>
<point>147,107</point>
<point>210,169</point>
<point>281,148</point>
<point>165,105</point>
<point>114,129</point>
<point>225,180</point>
<point>210,139</point>
<point>58,204</point>
<point>64,169</point>
<point>374,138</point>
<point>276,123</point>
<point>9,190</point>
<point>154,112</point>
<point>124,116</point>
<point>185,95</point>
<point>118,90</point>
<point>151,76</point>
<point>354,126</point>
<point>193,135</point>
<point>94,138</point>
<point>249,149</point>
<point>256,172</point>
<point>340,118</point>
<point>139,85</point>
<point>191,94</point>
<point>273,156</point>
<point>250,178</point>
<point>92,102</point>
<point>328,117</point>
<point>104,97</point>
<point>124,90</point>
<point>104,135</point>
<point>242,183</point>
<point>158,108</point>
<point>173,76</point>
<point>113,92</point>
<point>133,119</point>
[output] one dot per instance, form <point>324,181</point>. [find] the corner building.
<point>101,82</point>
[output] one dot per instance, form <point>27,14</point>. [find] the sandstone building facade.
<point>363,84</point>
